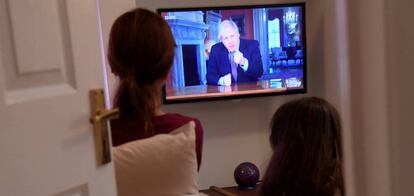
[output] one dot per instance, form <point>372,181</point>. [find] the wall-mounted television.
<point>236,52</point>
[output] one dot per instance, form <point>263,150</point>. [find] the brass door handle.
<point>99,118</point>
<point>106,115</point>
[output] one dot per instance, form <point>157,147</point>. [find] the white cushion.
<point>165,164</point>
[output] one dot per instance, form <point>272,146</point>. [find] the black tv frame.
<point>232,97</point>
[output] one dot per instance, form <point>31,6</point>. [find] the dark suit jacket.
<point>219,65</point>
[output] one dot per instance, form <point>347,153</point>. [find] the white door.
<point>50,57</point>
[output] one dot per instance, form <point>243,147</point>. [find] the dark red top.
<point>124,131</point>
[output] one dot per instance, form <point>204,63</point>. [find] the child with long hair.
<point>307,154</point>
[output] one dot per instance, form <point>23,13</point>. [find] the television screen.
<point>236,52</point>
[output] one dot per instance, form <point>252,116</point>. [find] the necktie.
<point>233,66</point>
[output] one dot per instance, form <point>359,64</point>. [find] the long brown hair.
<point>307,153</point>
<point>140,53</point>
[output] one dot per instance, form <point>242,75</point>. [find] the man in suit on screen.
<point>233,60</point>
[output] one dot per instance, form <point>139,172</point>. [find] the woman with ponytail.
<point>140,53</point>
<point>307,153</point>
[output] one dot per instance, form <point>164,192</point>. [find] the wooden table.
<point>231,191</point>
<point>208,91</point>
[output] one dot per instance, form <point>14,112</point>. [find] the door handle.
<point>99,118</point>
<point>105,116</point>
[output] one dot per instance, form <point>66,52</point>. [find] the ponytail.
<point>135,101</point>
